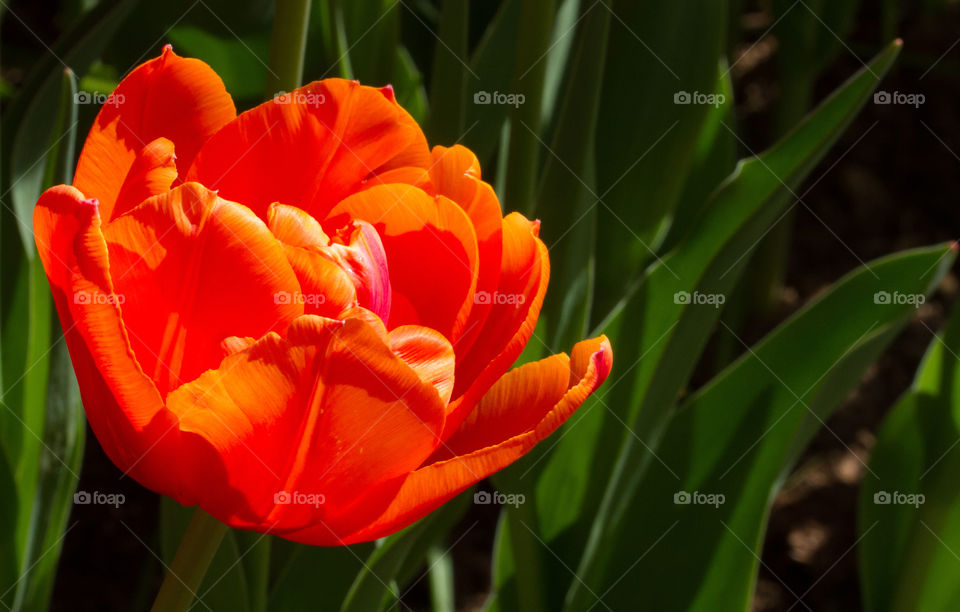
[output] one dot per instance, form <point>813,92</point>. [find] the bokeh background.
<point>890,183</point>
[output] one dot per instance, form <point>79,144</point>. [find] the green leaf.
<point>566,195</point>
<point>658,335</point>
<point>59,465</point>
<point>909,510</point>
<point>492,63</point>
<point>641,171</point>
<point>448,88</point>
<point>399,556</point>
<point>734,441</point>
<point>28,121</point>
<point>238,61</point>
<point>314,577</point>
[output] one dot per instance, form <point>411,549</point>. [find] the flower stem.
<point>185,574</point>
<point>288,43</point>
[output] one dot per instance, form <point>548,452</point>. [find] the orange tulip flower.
<point>299,318</point>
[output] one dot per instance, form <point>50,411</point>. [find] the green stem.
<point>288,43</point>
<point>185,574</point>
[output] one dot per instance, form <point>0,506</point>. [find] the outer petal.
<point>180,99</point>
<point>455,174</point>
<point>524,276</point>
<point>193,270</point>
<point>524,407</point>
<point>326,415</point>
<point>122,403</point>
<point>316,144</point>
<point>431,251</point>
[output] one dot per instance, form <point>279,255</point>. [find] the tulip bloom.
<point>299,318</point>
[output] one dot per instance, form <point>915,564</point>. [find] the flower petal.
<point>521,409</point>
<point>192,270</point>
<point>515,307</point>
<point>455,174</point>
<point>428,353</point>
<point>154,171</point>
<point>122,403</point>
<point>181,99</point>
<point>326,288</point>
<point>329,412</point>
<point>317,144</point>
<point>431,251</point>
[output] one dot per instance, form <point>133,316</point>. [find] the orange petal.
<point>177,98</point>
<point>192,270</point>
<point>329,413</point>
<point>316,144</point>
<point>428,353</point>
<point>455,174</point>
<point>122,403</point>
<point>326,288</point>
<point>153,172</point>
<point>515,307</point>
<point>431,251</point>
<point>523,408</point>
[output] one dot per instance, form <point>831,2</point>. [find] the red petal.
<point>523,408</point>
<point>326,288</point>
<point>177,98</point>
<point>515,308</point>
<point>330,413</point>
<point>455,174</point>
<point>122,403</point>
<point>316,144</point>
<point>153,172</point>
<point>431,250</point>
<point>193,270</point>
